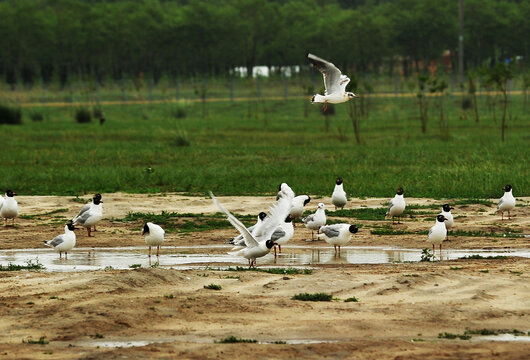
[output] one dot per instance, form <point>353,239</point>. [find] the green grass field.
<point>249,148</point>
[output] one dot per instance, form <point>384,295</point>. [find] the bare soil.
<point>401,310</point>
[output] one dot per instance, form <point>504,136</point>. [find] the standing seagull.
<point>64,242</point>
<point>297,206</point>
<point>9,207</point>
<point>337,234</point>
<point>438,233</point>
<point>90,214</point>
<point>396,206</point>
<point>506,202</point>
<point>154,236</point>
<point>338,198</point>
<point>449,222</point>
<point>316,220</point>
<point>283,234</point>
<point>334,82</point>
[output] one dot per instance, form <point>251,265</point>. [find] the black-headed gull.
<point>506,202</point>
<point>396,205</point>
<point>449,221</point>
<point>337,234</point>
<point>339,198</point>
<point>316,220</point>
<point>283,233</point>
<point>297,206</point>
<point>154,236</point>
<point>334,82</point>
<point>258,243</point>
<point>437,233</point>
<point>90,214</point>
<point>9,207</point>
<point>64,242</point>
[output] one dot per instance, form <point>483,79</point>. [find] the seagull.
<point>316,220</point>
<point>506,202</point>
<point>284,190</point>
<point>240,240</point>
<point>90,214</point>
<point>437,233</point>
<point>297,206</point>
<point>334,82</point>
<point>446,212</point>
<point>337,234</point>
<point>259,243</point>
<point>64,242</point>
<point>154,236</point>
<point>9,207</point>
<point>396,206</point>
<point>338,198</point>
<point>283,233</point>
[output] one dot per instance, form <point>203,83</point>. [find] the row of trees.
<point>47,39</point>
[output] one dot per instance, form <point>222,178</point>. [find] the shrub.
<point>10,115</point>
<point>36,116</point>
<point>178,112</point>
<point>467,103</point>
<point>313,297</point>
<point>97,113</point>
<point>82,115</point>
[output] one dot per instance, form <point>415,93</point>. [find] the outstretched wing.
<point>278,212</point>
<point>250,241</point>
<point>332,75</point>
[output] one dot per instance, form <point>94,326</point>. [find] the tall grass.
<point>230,153</point>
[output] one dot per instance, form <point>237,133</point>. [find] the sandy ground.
<point>401,310</point>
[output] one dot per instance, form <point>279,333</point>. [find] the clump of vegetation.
<point>97,336</point>
<point>36,116</point>
<point>83,115</point>
<point>97,112</point>
<point>313,297</point>
<point>169,296</point>
<point>30,265</point>
<point>232,340</point>
<point>351,299</point>
<point>486,332</point>
<point>182,139</point>
<point>213,287</point>
<point>10,115</point>
<point>178,112</point>
<point>42,341</point>
<point>135,266</point>
<point>426,255</point>
<point>446,335</point>
<point>477,256</point>
<point>278,271</point>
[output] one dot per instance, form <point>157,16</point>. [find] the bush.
<point>97,113</point>
<point>178,112</point>
<point>467,103</point>
<point>36,116</point>
<point>10,115</point>
<point>83,115</point>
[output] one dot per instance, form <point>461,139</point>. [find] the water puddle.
<point>189,257</point>
<point>504,337</point>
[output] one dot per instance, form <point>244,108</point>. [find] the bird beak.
<point>355,96</point>
<point>452,208</point>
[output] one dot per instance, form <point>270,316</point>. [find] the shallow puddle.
<point>188,257</point>
<point>504,337</point>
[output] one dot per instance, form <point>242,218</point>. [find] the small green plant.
<point>278,271</point>
<point>97,336</point>
<point>426,255</point>
<point>169,296</point>
<point>10,115</point>
<point>213,287</point>
<point>313,297</point>
<point>135,266</point>
<point>155,265</point>
<point>83,115</point>
<point>485,271</point>
<point>108,267</point>
<point>30,265</point>
<point>232,340</point>
<point>478,257</point>
<point>351,299</point>
<point>446,335</point>
<point>42,341</point>
<point>280,342</point>
<point>455,268</point>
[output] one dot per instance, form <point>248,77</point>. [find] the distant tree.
<point>498,77</point>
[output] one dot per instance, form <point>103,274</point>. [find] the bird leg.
<point>66,255</point>
<point>440,251</point>
<point>335,247</point>
<point>312,237</point>
<point>94,228</point>
<point>280,248</point>
<point>149,251</point>
<point>88,229</point>
<point>157,250</point>
<point>275,251</point>
<point>398,220</point>
<point>6,222</point>
<point>325,107</point>
<point>339,250</point>
<point>393,222</point>
<point>508,217</point>
<point>502,216</point>
<point>60,255</point>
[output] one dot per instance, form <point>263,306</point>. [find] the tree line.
<point>52,40</point>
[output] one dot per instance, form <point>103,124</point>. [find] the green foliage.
<point>446,335</point>
<point>10,115</point>
<point>83,115</point>
<point>351,299</point>
<point>232,340</point>
<point>426,255</point>
<point>279,271</point>
<point>36,116</point>
<point>30,265</point>
<point>213,287</point>
<point>313,297</point>
<point>480,257</point>
<point>135,266</point>
<point>42,341</point>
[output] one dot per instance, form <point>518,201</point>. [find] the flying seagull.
<point>334,82</point>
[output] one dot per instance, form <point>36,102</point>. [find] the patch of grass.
<point>486,332</point>
<point>36,116</point>
<point>313,297</point>
<point>213,287</point>
<point>417,340</point>
<point>455,268</point>
<point>232,340</point>
<point>30,265</point>
<point>42,341</point>
<point>446,335</point>
<point>426,255</point>
<point>351,299</point>
<point>278,271</point>
<point>485,271</point>
<point>97,336</point>
<point>360,214</point>
<point>478,257</point>
<point>169,296</point>
<point>280,342</point>
<point>135,266</point>
<point>203,275</point>
<point>83,115</point>
<point>473,202</point>
<point>518,273</point>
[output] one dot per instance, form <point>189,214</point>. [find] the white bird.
<point>9,207</point>
<point>154,236</point>
<point>437,233</point>
<point>90,214</point>
<point>283,233</point>
<point>64,242</point>
<point>316,220</point>
<point>284,190</point>
<point>334,82</point>
<point>337,234</point>
<point>259,244</point>
<point>297,206</point>
<point>397,205</point>
<point>506,202</point>
<point>449,221</point>
<point>339,198</point>
<point>240,240</point>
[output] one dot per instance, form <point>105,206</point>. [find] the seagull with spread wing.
<point>334,82</point>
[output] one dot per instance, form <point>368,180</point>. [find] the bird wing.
<point>308,218</point>
<point>81,218</point>
<point>390,206</point>
<point>330,231</point>
<point>500,203</point>
<point>58,240</point>
<point>277,214</point>
<point>84,209</point>
<point>430,231</point>
<point>344,80</point>
<point>332,75</point>
<point>250,241</point>
<point>278,234</point>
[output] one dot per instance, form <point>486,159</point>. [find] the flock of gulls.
<point>277,227</point>
<point>272,229</point>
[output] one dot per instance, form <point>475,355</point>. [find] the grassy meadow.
<point>249,148</point>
